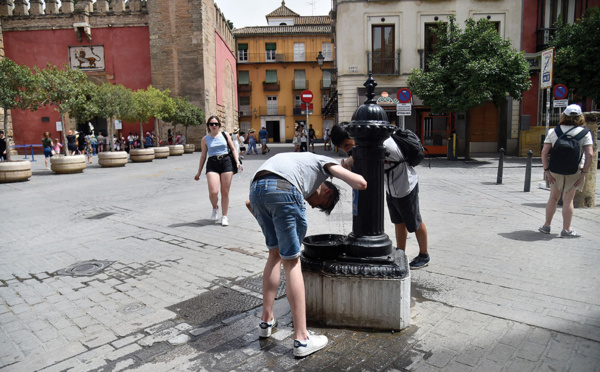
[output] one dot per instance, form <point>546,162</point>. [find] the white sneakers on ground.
<point>312,344</point>
<point>266,328</point>
<point>213,216</point>
<point>224,221</point>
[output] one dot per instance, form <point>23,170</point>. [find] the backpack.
<point>566,152</point>
<point>411,147</point>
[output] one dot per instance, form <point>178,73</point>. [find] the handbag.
<point>230,154</point>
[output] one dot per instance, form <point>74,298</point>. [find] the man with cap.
<point>566,185</point>
<point>263,135</point>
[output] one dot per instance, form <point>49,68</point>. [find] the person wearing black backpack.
<point>402,193</point>
<point>567,156</point>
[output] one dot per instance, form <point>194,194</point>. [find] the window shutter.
<point>242,46</point>
<point>270,46</point>
<point>271,76</point>
<point>244,77</point>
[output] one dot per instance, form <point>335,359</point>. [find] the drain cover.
<point>85,268</point>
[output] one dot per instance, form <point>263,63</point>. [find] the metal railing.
<point>280,57</point>
<point>245,87</point>
<point>383,66</point>
<point>543,36</point>
<point>271,111</point>
<point>271,86</point>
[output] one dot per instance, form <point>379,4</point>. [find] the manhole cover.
<point>132,308</point>
<point>85,268</point>
<point>255,283</point>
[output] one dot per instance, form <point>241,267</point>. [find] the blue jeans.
<point>279,209</point>
<point>252,145</point>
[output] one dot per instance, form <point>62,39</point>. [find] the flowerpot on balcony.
<point>189,148</point>
<point>67,164</point>
<point>141,155</point>
<point>161,152</point>
<point>112,159</point>
<point>15,171</point>
<point>176,150</point>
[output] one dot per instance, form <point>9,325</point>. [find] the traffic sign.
<point>403,106</point>
<point>306,96</point>
<point>403,113</point>
<point>561,102</point>
<point>404,95</point>
<point>560,91</point>
<point>547,66</point>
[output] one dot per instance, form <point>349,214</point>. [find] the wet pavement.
<point>121,269</point>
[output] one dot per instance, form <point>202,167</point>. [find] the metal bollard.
<point>527,187</point>
<point>500,167</point>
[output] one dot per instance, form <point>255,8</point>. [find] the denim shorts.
<point>222,165</point>
<point>280,211</point>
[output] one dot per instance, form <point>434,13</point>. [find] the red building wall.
<point>127,62</point>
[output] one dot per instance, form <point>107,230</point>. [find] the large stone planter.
<point>67,164</point>
<point>141,155</point>
<point>176,150</point>
<point>15,171</point>
<point>161,152</point>
<point>189,148</point>
<point>112,159</point>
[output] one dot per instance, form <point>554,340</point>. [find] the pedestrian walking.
<point>566,170</point>
<point>89,152</point>
<point>71,145</point>
<point>326,140</point>
<point>2,146</point>
<point>402,193</point>
<point>242,142</point>
<point>252,142</point>
<point>80,142</point>
<point>235,138</point>
<point>303,139</point>
<point>57,147</point>
<point>48,146</point>
<point>219,167</point>
<point>312,136</point>
<point>263,135</point>
<point>101,141</point>
<point>297,136</point>
<point>279,188</point>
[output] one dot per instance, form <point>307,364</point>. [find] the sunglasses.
<point>214,124</point>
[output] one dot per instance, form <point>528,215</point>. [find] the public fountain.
<point>360,280</point>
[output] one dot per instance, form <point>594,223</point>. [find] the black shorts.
<point>406,210</point>
<point>219,164</point>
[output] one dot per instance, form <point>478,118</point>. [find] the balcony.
<point>299,84</point>
<point>278,58</point>
<point>378,65</point>
<point>244,111</point>
<point>424,58</point>
<point>271,87</point>
<point>272,110</point>
<point>325,85</point>
<point>245,87</point>
<point>543,36</point>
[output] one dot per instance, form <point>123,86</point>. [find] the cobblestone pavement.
<point>120,269</point>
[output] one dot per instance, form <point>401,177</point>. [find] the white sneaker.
<point>265,329</point>
<point>312,344</point>
<point>213,217</point>
<point>224,221</point>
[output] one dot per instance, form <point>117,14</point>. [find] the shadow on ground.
<point>528,236</point>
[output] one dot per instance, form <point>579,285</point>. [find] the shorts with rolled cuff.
<point>219,164</point>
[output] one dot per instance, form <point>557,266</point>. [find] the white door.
<point>271,105</point>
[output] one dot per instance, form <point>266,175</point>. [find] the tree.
<point>230,24</point>
<point>112,102</point>
<point>185,113</point>
<point>469,68</point>
<point>66,89</point>
<point>577,47</point>
<point>16,87</point>
<point>144,103</point>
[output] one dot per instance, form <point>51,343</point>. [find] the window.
<point>299,79</point>
<point>327,49</point>
<point>271,51</point>
<point>430,41</point>
<point>383,49</point>
<point>243,77</point>
<point>326,79</point>
<point>298,101</point>
<point>244,107</point>
<point>299,52</point>
<point>271,77</point>
<point>242,52</point>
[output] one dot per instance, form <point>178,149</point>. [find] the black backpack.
<point>566,152</point>
<point>411,147</point>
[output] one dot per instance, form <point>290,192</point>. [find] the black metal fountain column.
<point>360,280</point>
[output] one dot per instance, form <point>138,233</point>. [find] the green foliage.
<point>65,89</point>
<point>85,109</point>
<point>230,24</point>
<point>113,101</point>
<point>185,113</point>
<point>577,47</point>
<point>469,68</point>
<point>16,85</point>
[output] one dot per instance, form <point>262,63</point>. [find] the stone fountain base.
<point>358,294</point>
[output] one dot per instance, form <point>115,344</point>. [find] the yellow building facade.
<point>276,64</point>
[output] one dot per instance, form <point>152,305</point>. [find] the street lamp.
<point>255,112</point>
<point>332,71</point>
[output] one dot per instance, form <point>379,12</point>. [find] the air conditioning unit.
<point>279,57</point>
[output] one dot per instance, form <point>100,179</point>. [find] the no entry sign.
<point>560,91</point>
<point>306,96</point>
<point>404,95</point>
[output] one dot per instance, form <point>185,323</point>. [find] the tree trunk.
<point>157,131</point>
<point>587,198</point>
<point>468,134</point>
<point>7,158</point>
<point>111,135</point>
<point>64,134</point>
<point>142,137</point>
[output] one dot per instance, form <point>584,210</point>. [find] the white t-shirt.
<point>585,141</point>
<point>402,179</point>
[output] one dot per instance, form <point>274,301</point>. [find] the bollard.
<point>500,167</point>
<point>528,172</point>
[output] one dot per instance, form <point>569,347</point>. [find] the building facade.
<point>184,46</point>
<point>391,38</point>
<point>276,64</point>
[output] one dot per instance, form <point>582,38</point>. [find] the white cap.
<point>573,110</point>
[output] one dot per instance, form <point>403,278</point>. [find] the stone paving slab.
<point>496,296</point>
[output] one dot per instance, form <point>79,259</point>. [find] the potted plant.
<point>16,86</point>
